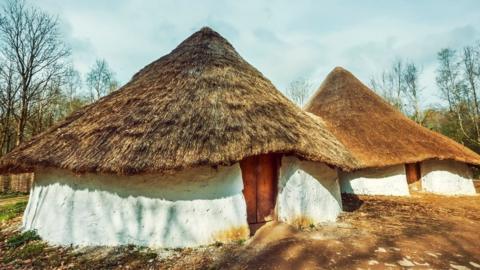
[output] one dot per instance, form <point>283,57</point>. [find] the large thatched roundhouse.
<point>392,150</point>
<point>189,152</point>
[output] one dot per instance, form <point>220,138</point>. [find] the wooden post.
<point>249,175</point>
<point>6,181</point>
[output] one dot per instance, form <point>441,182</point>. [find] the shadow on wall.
<point>203,183</point>
<point>185,209</point>
<point>309,192</point>
<point>447,177</point>
<point>345,185</point>
<point>375,173</point>
<point>476,184</point>
<point>375,181</point>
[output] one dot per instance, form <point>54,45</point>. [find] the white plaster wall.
<point>186,209</point>
<point>447,177</point>
<point>307,190</point>
<point>376,181</point>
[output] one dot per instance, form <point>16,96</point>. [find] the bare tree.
<point>73,83</point>
<point>9,88</point>
<point>50,106</point>
<point>391,84</point>
<point>399,85</point>
<point>412,90</point>
<point>448,75</point>
<point>31,40</point>
<point>458,95</point>
<point>101,80</point>
<point>397,77</point>
<point>299,91</point>
<point>383,86</point>
<point>471,62</point>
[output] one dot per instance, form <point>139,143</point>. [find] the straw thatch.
<point>201,104</point>
<point>374,131</point>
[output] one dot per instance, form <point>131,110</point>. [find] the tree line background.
<point>457,79</point>
<point>39,85</point>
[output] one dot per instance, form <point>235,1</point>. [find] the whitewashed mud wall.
<point>191,208</point>
<point>376,181</point>
<point>447,177</point>
<point>308,192</point>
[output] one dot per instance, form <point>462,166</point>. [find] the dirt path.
<point>12,200</point>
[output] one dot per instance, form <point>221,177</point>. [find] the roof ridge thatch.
<point>201,104</point>
<point>375,132</point>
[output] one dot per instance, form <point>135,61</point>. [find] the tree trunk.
<point>475,102</point>
<point>22,122</point>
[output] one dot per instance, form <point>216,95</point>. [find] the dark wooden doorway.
<point>260,181</point>
<point>413,172</point>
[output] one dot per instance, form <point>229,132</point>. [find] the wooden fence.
<point>16,182</point>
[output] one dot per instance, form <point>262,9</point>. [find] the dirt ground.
<point>376,233</point>
<point>418,232</point>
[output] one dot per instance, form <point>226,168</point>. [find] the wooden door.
<point>260,181</point>
<point>413,173</point>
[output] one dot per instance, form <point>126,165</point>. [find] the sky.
<point>285,40</point>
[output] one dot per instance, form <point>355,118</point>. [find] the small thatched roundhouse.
<point>392,151</point>
<point>198,147</point>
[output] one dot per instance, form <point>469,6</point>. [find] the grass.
<point>12,210</point>
<point>19,246</point>
<point>240,241</point>
<point>23,246</point>
<point>11,195</point>
<point>31,250</point>
<point>20,239</point>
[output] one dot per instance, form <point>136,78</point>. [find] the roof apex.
<point>375,132</point>
<point>200,105</point>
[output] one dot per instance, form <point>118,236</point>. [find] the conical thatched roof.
<point>201,104</point>
<point>374,131</point>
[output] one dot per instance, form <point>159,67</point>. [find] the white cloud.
<point>283,39</point>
